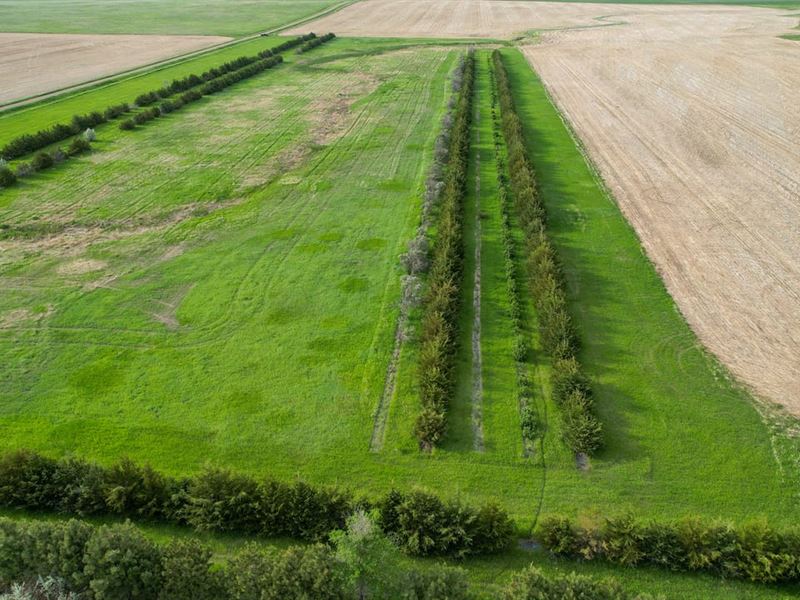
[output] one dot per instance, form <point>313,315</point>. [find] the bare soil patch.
<point>691,116</point>
<point>36,63</point>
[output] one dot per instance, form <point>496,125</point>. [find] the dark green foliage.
<point>112,112</point>
<point>582,431</point>
<point>314,42</point>
<point>127,125</point>
<point>78,146</point>
<point>424,525</point>
<point>439,333</point>
<point>136,491</point>
<point>754,552</point>
<point>222,501</point>
<point>532,584</point>
<point>306,572</point>
<point>42,161</point>
<point>120,562</point>
<point>7,177</point>
<point>187,572</point>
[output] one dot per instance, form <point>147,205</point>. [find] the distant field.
<point>230,18</point>
<point>511,18</point>
<point>38,63</point>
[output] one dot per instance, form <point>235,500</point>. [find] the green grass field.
<point>221,285</point>
<point>232,18</point>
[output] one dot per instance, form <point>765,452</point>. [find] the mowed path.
<point>35,63</point>
<point>691,115</point>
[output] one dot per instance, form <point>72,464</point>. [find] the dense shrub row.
<point>571,391</point>
<point>754,552</point>
<point>529,418</point>
<point>310,45</point>
<point>532,584</point>
<point>115,562</point>
<point>192,95</point>
<point>416,259</point>
<point>74,560</point>
<point>45,160</point>
<point>222,501</point>
<point>439,332</point>
<point>28,143</point>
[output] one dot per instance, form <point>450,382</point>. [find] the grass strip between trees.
<point>438,338</point>
<point>571,389</point>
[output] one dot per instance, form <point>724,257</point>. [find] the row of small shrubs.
<point>310,45</point>
<point>27,143</point>
<point>190,81</point>
<point>530,422</point>
<point>416,259</point>
<point>439,331</point>
<point>45,160</point>
<point>754,552</point>
<point>211,87</point>
<point>76,560</point>
<point>221,501</point>
<point>571,390</point>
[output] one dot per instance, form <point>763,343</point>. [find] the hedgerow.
<point>221,501</point>
<point>754,552</point>
<point>74,559</point>
<point>317,41</point>
<point>439,332</point>
<point>581,429</point>
<point>27,143</point>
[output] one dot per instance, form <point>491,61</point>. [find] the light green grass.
<point>232,18</point>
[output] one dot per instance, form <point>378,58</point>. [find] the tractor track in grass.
<point>354,136</point>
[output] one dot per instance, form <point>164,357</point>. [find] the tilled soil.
<point>34,63</point>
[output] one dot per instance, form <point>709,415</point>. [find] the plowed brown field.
<point>691,114</point>
<point>33,63</point>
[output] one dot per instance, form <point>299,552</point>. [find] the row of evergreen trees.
<point>571,390</point>
<point>441,304</point>
<point>222,501</point>
<point>754,552</point>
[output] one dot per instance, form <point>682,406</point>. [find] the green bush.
<point>121,563</point>
<point>532,584</point>
<point>42,161</point>
<point>7,177</point>
<point>78,146</point>
<point>754,552</point>
<point>188,574</point>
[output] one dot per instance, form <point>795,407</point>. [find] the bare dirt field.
<point>32,63</point>
<point>692,117</point>
<point>694,123</point>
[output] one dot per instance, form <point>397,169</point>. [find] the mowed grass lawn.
<point>232,17</point>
